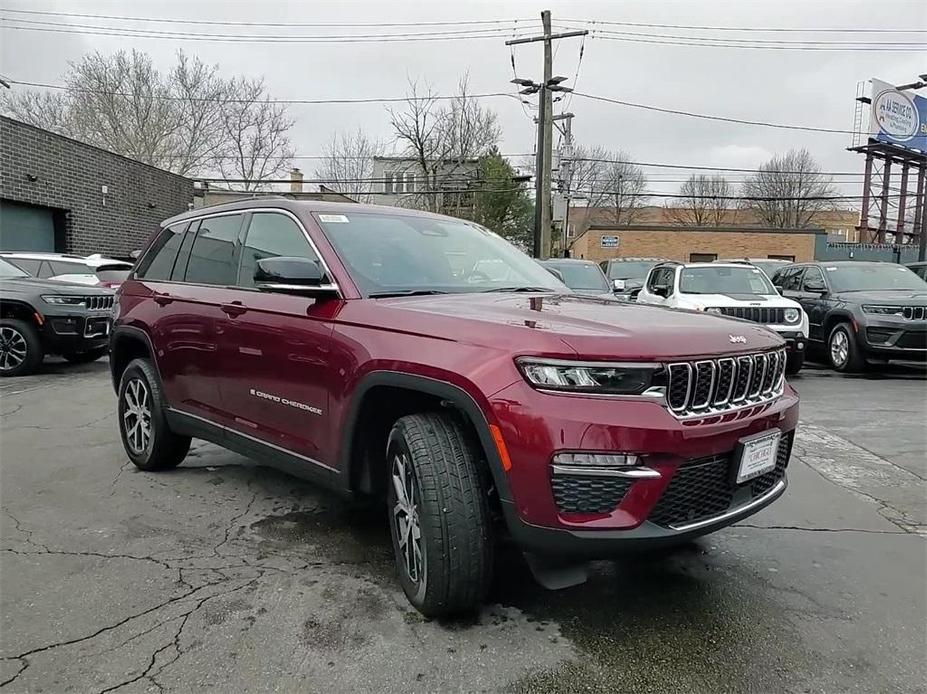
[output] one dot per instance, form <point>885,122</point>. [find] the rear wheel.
<point>148,440</point>
<point>843,352</point>
<point>794,362</point>
<point>20,348</point>
<point>439,520</point>
<point>85,357</point>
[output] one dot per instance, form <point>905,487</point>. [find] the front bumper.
<point>543,517</point>
<point>72,333</point>
<point>795,341</point>
<point>892,338</point>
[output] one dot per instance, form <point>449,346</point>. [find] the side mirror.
<point>292,275</point>
<point>618,285</point>
<point>816,288</point>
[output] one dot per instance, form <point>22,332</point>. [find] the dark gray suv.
<point>39,317</point>
<point>859,311</point>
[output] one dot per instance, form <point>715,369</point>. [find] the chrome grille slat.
<point>716,386</point>
<point>98,303</point>
<point>757,314</point>
<point>914,312</point>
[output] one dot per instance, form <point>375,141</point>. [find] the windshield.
<point>848,278</point>
<point>395,254</point>
<point>724,280</point>
<point>582,276</point>
<point>10,270</point>
<point>632,270</point>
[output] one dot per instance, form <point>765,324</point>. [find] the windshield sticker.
<point>832,268</point>
<point>333,218</point>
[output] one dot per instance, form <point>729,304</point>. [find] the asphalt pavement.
<point>228,576</point>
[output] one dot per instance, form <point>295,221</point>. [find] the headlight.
<point>792,315</point>
<point>584,377</point>
<point>60,300</point>
<point>884,310</point>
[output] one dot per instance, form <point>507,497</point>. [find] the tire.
<point>21,350</point>
<point>86,357</point>
<point>141,398</point>
<point>794,362</point>
<point>447,504</point>
<point>842,351</point>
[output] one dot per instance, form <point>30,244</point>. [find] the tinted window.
<point>813,279</point>
<point>214,257</point>
<point>183,255</point>
<point>663,275</point>
<point>61,267</point>
<point>271,235</point>
<point>29,266</point>
<point>8,270</point>
<point>629,270</point>
<point>790,278</point>
<point>158,261</point>
<point>45,270</point>
<point>703,257</point>
<point>582,276</point>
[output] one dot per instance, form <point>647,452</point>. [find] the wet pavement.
<point>228,576</point>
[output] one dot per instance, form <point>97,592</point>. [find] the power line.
<point>165,20</point>
<point>720,43</point>
<point>704,116</point>
<point>846,30</point>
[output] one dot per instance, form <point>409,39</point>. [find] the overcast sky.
<point>815,88</point>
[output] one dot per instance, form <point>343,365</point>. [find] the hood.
<point>916,297</point>
<point>590,328</point>
<point>35,285</point>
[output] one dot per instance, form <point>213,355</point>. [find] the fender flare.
<point>456,396</point>
<point>137,335</point>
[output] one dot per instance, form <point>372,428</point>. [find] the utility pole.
<point>545,130</point>
<point>566,173</point>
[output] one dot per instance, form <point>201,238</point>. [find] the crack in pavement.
<point>234,521</point>
<point>820,530</point>
<point>28,533</point>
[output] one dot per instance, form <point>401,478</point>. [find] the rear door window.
<point>271,235</point>
<point>214,256</point>
<point>62,267</point>
<point>159,261</point>
<point>26,265</point>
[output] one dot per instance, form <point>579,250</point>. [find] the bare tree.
<point>201,96</point>
<point>254,132</point>
<point>704,201</point>
<point>347,165</point>
<point>788,190</point>
<point>48,110</point>
<point>609,182</point>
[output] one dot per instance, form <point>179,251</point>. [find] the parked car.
<point>39,317</point>
<point>91,269</point>
<point>919,269</point>
<point>860,310</point>
<point>768,265</point>
<point>582,276</point>
<point>627,274</point>
<point>738,290</point>
<point>339,342</point>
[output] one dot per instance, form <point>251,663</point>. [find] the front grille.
<point>767,316</point>
<point>704,488</point>
<point>912,340</point>
<point>575,494</point>
<point>716,385</point>
<point>98,303</point>
<point>914,312</point>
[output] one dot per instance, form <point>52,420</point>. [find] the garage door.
<point>26,227</point>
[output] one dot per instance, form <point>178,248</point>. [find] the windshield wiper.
<point>518,289</point>
<point>406,292</point>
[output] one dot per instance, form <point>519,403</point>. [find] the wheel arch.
<point>128,343</point>
<point>17,309</point>
<point>835,317</point>
<point>384,396</point>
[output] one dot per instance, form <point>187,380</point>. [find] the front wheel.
<point>85,357</point>
<point>842,350</point>
<point>20,348</point>
<point>439,520</point>
<point>794,362</point>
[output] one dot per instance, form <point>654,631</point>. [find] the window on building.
<point>271,235</point>
<point>388,182</point>
<point>214,256</point>
<point>703,257</point>
<point>158,262</point>
<point>790,258</point>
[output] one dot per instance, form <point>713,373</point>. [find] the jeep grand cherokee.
<point>368,349</point>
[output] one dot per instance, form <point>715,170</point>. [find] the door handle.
<point>162,299</point>
<point>233,309</point>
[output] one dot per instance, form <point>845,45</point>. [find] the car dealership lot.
<point>228,575</point>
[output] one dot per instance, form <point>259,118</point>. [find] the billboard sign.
<point>898,118</point>
<point>609,242</point>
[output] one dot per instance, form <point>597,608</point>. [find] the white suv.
<point>736,289</point>
<point>93,269</point>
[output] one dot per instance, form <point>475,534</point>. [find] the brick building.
<point>58,194</point>
<point>697,243</point>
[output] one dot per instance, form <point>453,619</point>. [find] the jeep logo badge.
<point>737,339</point>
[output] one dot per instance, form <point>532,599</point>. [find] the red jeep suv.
<point>424,361</point>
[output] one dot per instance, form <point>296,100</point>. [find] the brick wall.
<point>675,243</point>
<point>69,176</point>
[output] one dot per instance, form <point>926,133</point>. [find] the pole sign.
<point>898,118</point>
<point>609,242</point>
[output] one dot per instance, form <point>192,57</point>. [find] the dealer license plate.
<point>757,455</point>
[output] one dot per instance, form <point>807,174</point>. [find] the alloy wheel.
<point>839,348</point>
<point>136,419</point>
<point>13,348</point>
<point>406,518</point>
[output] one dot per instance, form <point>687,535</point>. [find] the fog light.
<point>799,345</point>
<point>596,459</point>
